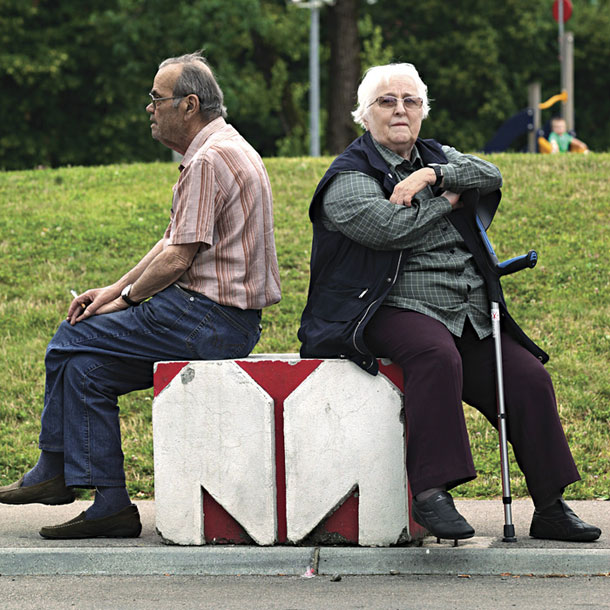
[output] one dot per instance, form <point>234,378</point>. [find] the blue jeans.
<point>91,364</point>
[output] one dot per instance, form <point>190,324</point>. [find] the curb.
<point>462,562</point>
<point>138,561</point>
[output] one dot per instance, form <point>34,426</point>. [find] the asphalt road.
<point>295,593</point>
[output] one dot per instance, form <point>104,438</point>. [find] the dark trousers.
<point>440,370</point>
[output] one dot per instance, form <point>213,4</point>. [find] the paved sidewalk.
<point>24,552</point>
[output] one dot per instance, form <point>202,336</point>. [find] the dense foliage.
<point>74,75</point>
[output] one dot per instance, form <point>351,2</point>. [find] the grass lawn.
<point>84,227</point>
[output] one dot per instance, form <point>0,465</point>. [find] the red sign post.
<point>558,13</point>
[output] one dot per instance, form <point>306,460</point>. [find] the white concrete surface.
<point>213,427</point>
<point>342,429</point>
<point>24,552</point>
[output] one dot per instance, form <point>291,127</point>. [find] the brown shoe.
<point>124,524</point>
<point>53,491</point>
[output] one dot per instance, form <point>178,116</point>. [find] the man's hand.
<point>95,300</point>
<point>156,271</point>
<point>406,189</point>
<point>117,305</point>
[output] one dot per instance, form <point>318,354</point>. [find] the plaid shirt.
<point>439,277</point>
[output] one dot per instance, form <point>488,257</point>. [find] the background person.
<point>561,140</point>
<point>206,281</point>
<point>392,275</point>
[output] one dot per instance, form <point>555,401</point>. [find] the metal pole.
<point>568,76</point>
<point>533,97</point>
<point>314,78</point>
<point>561,56</point>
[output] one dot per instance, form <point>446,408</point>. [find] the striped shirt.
<point>439,277</point>
<point>223,200</point>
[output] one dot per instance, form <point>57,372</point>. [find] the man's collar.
<point>198,141</point>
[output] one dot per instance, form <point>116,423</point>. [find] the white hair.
<point>374,77</point>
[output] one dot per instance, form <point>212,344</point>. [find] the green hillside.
<point>83,227</point>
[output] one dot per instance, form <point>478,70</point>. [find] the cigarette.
<point>75,295</point>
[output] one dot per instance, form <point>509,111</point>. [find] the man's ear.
<point>192,105</point>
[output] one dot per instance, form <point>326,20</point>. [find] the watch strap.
<point>125,296</point>
<point>439,174</point>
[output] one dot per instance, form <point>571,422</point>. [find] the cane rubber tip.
<point>509,533</point>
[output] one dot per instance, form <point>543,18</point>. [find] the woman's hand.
<point>454,199</point>
<point>406,189</point>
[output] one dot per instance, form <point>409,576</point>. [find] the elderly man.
<point>393,274</point>
<point>197,294</point>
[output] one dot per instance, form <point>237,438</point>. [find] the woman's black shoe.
<point>559,522</point>
<point>440,517</point>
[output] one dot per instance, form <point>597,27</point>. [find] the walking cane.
<point>505,268</point>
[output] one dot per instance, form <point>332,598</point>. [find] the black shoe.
<point>440,517</point>
<point>124,524</point>
<point>52,492</point>
<point>559,522</point>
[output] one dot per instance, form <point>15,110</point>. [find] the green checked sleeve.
<point>354,204</point>
<point>465,172</point>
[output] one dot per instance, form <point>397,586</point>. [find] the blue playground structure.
<point>524,122</point>
<point>517,125</point>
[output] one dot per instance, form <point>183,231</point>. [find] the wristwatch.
<point>125,296</point>
<point>438,170</point>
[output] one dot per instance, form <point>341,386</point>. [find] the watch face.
<point>125,296</point>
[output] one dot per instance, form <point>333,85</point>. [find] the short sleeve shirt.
<point>223,200</point>
<point>563,140</point>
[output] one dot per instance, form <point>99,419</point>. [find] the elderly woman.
<point>394,274</point>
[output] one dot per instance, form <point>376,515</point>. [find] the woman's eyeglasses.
<point>390,101</point>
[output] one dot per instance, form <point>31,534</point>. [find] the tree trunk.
<point>344,74</point>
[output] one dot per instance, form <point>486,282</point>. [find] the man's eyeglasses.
<point>389,101</point>
<point>160,99</point>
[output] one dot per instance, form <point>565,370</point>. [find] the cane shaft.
<point>509,531</point>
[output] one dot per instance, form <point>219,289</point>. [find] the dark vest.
<point>349,281</point>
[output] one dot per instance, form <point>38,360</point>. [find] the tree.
<point>344,73</point>
<point>476,57</point>
<point>74,75</point>
<point>591,27</point>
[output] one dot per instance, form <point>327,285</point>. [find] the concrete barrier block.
<point>277,449</point>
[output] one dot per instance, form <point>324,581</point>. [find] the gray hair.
<point>197,77</point>
<point>377,75</point>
